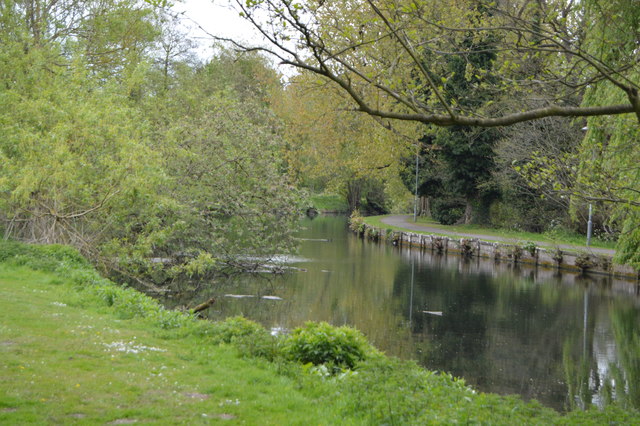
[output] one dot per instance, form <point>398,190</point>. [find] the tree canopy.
<point>391,56</point>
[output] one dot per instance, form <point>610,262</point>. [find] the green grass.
<point>549,238</point>
<point>329,203</point>
<point>62,363</point>
<point>76,348</point>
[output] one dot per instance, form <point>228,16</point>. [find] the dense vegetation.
<point>81,348</point>
<point>114,139</point>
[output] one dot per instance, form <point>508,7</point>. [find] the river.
<point>564,339</point>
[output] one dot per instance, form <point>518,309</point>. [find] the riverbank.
<point>79,349</point>
<point>548,254</point>
<point>405,222</point>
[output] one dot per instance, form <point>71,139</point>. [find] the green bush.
<point>356,222</point>
<point>321,343</point>
<point>234,328</point>
<point>446,211</point>
<point>260,344</point>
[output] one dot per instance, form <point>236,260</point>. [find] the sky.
<point>216,17</point>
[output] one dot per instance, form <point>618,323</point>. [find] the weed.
<point>584,261</point>
<point>557,256</point>
<point>530,247</point>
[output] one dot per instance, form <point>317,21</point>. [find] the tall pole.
<point>589,227</point>
<point>415,201</point>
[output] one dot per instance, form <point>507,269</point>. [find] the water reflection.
<point>564,339</point>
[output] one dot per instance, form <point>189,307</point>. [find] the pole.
<point>589,227</point>
<point>415,201</point>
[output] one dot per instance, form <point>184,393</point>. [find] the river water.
<point>564,339</point>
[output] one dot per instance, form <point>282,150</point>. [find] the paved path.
<point>406,222</point>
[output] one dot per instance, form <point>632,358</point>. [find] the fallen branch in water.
<point>201,307</point>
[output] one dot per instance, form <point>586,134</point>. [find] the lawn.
<point>558,237</point>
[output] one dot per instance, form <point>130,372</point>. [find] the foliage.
<point>584,261</point>
<point>530,247</point>
<point>153,167</point>
<point>356,222</point>
<point>233,328</point>
<point>529,201</point>
<point>393,59</point>
<point>372,233</point>
<point>447,211</point>
<point>321,343</point>
<point>387,391</point>
<point>330,148</point>
<point>223,154</point>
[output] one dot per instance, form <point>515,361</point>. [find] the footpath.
<point>406,222</point>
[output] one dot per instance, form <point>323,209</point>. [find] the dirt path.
<point>406,222</point>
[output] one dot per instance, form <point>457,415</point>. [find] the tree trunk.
<point>354,191</point>
<point>468,212</point>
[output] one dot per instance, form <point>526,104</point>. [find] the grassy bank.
<point>559,237</point>
<point>329,203</point>
<point>76,348</point>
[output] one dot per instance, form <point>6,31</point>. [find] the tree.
<point>529,200</point>
<point>151,178</point>
<point>374,50</point>
<point>222,153</point>
<point>72,145</point>
<point>331,147</point>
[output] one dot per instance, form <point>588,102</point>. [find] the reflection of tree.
<point>501,333</point>
<point>579,392</point>
<point>601,374</point>
<point>626,375</point>
<point>457,341</point>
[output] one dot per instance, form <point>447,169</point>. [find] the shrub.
<point>393,237</point>
<point>321,343</point>
<point>557,256</point>
<point>356,222</point>
<point>516,252</point>
<point>466,248</point>
<point>447,212</point>
<point>259,344</point>
<point>231,329</point>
